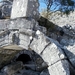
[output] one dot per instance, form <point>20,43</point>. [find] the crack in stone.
<point>45,48</point>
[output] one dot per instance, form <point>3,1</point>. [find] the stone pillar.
<point>25,8</point>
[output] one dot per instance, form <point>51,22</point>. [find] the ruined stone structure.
<point>26,48</point>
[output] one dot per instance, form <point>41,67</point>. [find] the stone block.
<point>24,41</point>
<point>25,8</point>
<point>28,32</point>
<point>22,23</point>
<point>52,54</point>
<point>39,42</point>
<point>4,24</point>
<point>59,68</point>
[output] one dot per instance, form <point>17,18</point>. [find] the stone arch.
<point>43,46</point>
<point>14,38</point>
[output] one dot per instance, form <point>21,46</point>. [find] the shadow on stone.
<point>64,35</point>
<point>24,58</point>
<point>71,59</point>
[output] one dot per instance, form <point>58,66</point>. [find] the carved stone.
<point>25,8</point>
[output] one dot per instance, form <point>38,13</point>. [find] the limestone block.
<point>12,68</point>
<point>70,52</point>
<point>16,24</point>
<point>22,23</point>
<point>59,68</point>
<point>52,54</point>
<point>24,41</point>
<point>4,38</point>
<point>39,42</point>
<point>28,32</point>
<point>25,8</point>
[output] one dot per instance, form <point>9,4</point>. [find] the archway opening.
<point>24,58</point>
<point>61,32</point>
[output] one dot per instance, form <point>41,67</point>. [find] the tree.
<point>64,5</point>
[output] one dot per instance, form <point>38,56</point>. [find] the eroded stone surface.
<point>26,33</point>
<point>24,41</point>
<point>39,42</point>
<point>20,23</point>
<point>52,54</point>
<point>59,68</point>
<point>5,8</point>
<point>25,8</point>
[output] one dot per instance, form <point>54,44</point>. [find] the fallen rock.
<point>19,23</point>
<point>52,54</point>
<point>12,68</point>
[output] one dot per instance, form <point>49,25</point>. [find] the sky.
<point>54,7</point>
<point>42,5</point>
